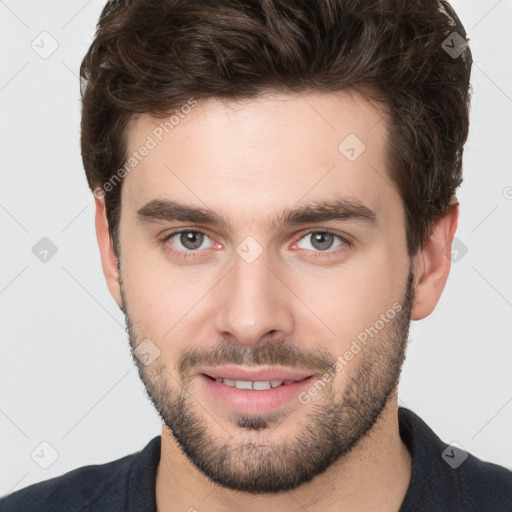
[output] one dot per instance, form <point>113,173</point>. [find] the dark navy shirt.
<point>444,478</point>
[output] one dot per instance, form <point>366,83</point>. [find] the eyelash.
<point>181,254</point>
<point>317,254</point>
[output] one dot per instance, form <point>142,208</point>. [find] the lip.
<point>250,402</point>
<point>254,374</point>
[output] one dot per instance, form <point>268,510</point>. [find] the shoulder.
<point>485,486</point>
<point>69,492</point>
<point>80,489</point>
<point>445,477</point>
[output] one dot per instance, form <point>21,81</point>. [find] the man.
<point>275,201</point>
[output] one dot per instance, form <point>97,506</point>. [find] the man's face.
<point>261,295</point>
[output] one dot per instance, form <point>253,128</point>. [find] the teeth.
<point>256,385</point>
<point>243,384</point>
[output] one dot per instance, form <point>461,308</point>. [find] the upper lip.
<point>254,374</point>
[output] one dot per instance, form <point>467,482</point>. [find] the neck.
<point>374,475</point>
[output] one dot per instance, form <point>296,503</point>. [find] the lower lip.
<point>246,401</point>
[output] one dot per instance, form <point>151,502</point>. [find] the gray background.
<point>66,374</point>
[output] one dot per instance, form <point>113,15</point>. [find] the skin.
<point>249,160</point>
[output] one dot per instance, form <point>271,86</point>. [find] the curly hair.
<point>151,56</point>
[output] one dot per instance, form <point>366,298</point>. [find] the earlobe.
<point>108,257</point>
<point>432,264</point>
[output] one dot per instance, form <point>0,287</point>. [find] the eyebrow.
<point>342,209</point>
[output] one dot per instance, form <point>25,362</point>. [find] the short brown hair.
<point>151,56</point>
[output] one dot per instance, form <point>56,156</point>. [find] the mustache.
<point>275,352</point>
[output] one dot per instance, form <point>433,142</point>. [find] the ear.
<point>432,263</point>
<point>108,257</point>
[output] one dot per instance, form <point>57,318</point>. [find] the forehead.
<point>263,154</point>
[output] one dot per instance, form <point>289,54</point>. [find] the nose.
<point>253,303</point>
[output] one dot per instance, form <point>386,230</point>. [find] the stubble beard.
<point>335,422</point>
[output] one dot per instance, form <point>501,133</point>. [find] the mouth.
<point>254,391</point>
<point>257,385</point>
<point>259,379</point>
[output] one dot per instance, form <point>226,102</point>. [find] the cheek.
<point>351,298</point>
<point>162,299</point>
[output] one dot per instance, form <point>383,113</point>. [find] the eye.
<point>323,241</point>
<point>190,240</point>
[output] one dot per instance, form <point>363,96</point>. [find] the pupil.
<point>191,239</point>
<point>322,240</point>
